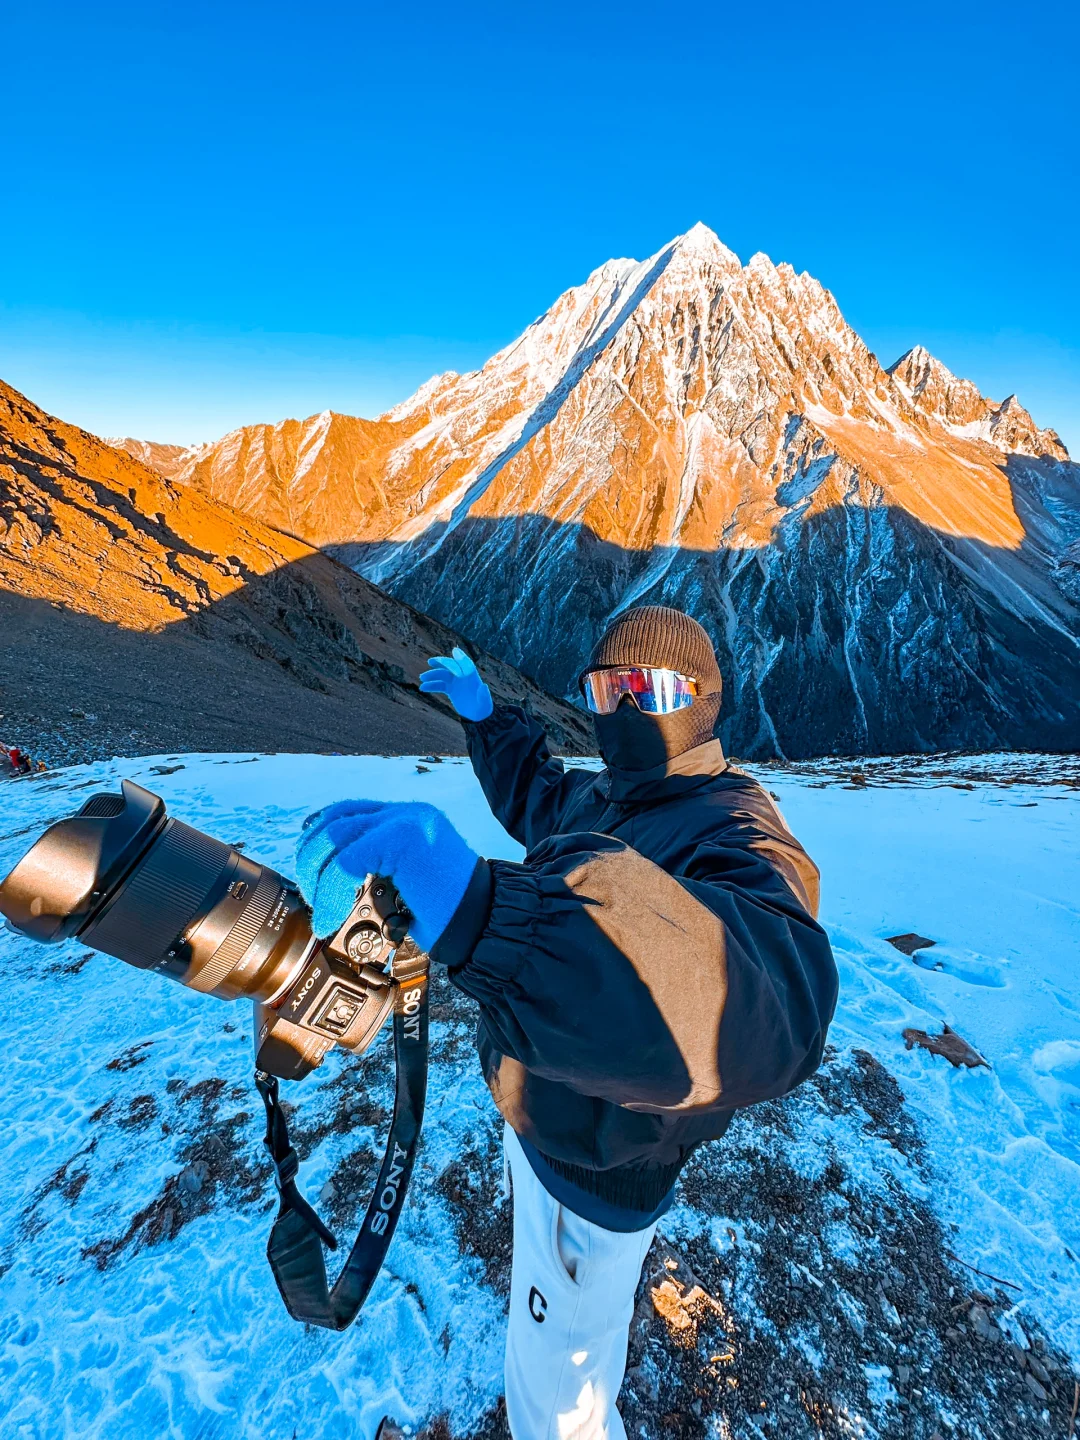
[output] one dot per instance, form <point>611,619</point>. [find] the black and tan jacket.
<point>652,965</point>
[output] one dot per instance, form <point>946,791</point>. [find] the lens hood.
<point>68,874</point>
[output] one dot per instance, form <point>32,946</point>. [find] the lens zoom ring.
<point>232,949</point>
<point>161,898</point>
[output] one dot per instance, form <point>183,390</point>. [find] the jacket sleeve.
<point>597,969</point>
<point>527,788</point>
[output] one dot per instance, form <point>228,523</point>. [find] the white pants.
<point>571,1303</point>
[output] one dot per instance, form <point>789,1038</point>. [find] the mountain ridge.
<point>715,435</point>
<point>334,446</point>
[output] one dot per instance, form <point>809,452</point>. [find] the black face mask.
<point>630,740</point>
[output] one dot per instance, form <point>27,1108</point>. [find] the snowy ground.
<point>134,1295</point>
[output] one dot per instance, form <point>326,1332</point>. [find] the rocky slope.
<point>886,559</point>
<point>139,615</point>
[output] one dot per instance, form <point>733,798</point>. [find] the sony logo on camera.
<point>308,983</point>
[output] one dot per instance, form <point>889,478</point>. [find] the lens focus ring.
<point>161,897</point>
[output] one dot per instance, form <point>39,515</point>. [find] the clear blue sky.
<point>219,213</point>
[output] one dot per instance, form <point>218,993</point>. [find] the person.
<point>651,966</point>
<point>18,761</point>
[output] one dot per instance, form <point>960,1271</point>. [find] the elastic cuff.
<point>455,944</point>
<point>495,721</point>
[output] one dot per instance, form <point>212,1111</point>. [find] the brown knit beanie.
<point>659,636</point>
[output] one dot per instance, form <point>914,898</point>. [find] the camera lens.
<point>161,896</point>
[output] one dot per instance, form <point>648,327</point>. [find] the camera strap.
<point>295,1248</point>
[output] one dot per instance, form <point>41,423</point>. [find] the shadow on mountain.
<point>857,631</point>
<point>307,658</point>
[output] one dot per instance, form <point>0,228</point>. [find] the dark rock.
<point>1036,1389</point>
<point>193,1177</point>
<point>1039,1368</point>
<point>909,942</point>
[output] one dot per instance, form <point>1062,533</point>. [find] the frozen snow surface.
<point>134,1295</point>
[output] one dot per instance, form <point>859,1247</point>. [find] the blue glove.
<point>456,677</point>
<point>410,843</point>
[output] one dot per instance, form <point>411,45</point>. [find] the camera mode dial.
<point>364,943</point>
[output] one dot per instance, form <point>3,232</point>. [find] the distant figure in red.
<point>18,762</point>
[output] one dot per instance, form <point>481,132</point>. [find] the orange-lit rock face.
<point>85,525</point>
<point>301,475</point>
<point>713,434</point>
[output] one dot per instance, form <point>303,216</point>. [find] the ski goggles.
<point>653,690</point>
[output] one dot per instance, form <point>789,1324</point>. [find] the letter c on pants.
<point>537,1305</point>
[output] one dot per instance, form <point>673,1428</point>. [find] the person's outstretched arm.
<point>598,969</point>
<point>527,788</point>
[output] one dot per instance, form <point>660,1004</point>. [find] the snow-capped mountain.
<point>167,460</point>
<point>886,559</point>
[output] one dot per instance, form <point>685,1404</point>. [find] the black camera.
<point>162,896</point>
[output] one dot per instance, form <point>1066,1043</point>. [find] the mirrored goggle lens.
<point>655,691</point>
